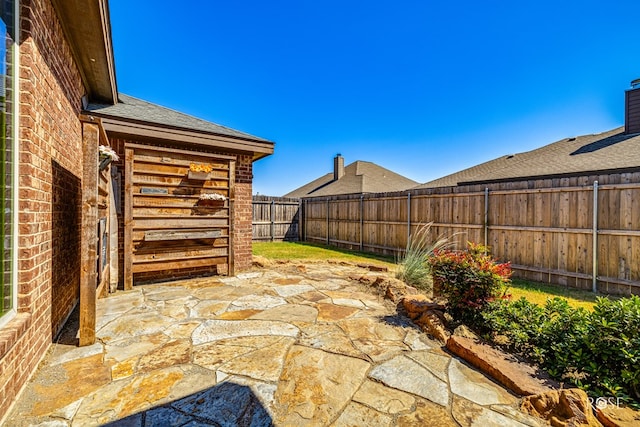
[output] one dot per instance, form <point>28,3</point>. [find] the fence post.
<point>361,222</point>
<point>271,214</point>
<point>408,218</point>
<point>486,217</point>
<point>300,220</point>
<point>304,221</point>
<point>328,221</point>
<point>594,283</point>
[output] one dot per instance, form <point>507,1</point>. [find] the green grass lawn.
<point>311,251</point>
<point>538,293</point>
<point>534,292</point>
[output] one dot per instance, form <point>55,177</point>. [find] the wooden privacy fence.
<point>276,218</point>
<point>581,236</point>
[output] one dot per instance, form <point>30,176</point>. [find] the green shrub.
<point>598,351</point>
<point>468,280</point>
<point>413,267</point>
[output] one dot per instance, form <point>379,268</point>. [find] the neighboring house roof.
<point>612,151</point>
<point>137,117</point>
<point>359,177</point>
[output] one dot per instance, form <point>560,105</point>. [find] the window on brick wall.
<point>7,159</point>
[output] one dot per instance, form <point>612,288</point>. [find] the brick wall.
<point>243,213</point>
<point>50,170</point>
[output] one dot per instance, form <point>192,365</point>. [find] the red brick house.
<point>59,102</point>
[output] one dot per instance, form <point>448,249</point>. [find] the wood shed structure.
<point>183,192</point>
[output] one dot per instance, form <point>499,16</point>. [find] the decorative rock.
<point>263,364</point>
<point>289,313</point>
<point>368,279</point>
<point>437,364</point>
<point>238,314</point>
<point>517,376</point>
<point>54,423</point>
<point>373,267</point>
<point>417,341</point>
<point>84,376</point>
<point>614,416</point>
<point>376,339</point>
<point>515,413</point>
<point>356,414</point>
<point>348,302</point>
<point>566,407</point>
<point>469,384</point>
<point>291,290</point>
<point>396,290</point>
<point>67,412</point>
<point>331,338</point>
<point>427,414</point>
<point>170,354</point>
<point>214,355</point>
<point>333,313</point>
<point>465,332</point>
<point>208,309</point>
<point>285,281</point>
<point>250,275</point>
<point>261,262</point>
<point>133,325</point>
<point>472,415</point>
<point>220,406</point>
<point>195,379</point>
<point>383,398</point>
<point>407,375</point>
<point>315,385</point>
<point>122,304</point>
<point>166,416</point>
<point>117,400</point>
<point>263,391</point>
<point>310,296</point>
<point>256,302</point>
<point>434,323</point>
<point>213,330</point>
<point>416,305</point>
<point>181,330</point>
<point>77,353</point>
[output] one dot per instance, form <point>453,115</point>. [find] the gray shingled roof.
<point>608,151</point>
<point>134,109</point>
<point>359,177</point>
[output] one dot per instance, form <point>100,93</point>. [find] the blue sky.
<point>423,88</point>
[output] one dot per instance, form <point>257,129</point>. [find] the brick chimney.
<point>632,108</point>
<point>338,167</point>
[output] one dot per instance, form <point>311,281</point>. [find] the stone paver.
<point>290,345</point>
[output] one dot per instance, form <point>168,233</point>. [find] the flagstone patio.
<point>289,345</point>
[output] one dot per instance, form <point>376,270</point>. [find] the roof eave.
<point>151,132</point>
<point>87,26</point>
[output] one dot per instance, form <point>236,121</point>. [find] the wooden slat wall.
<point>544,227</point>
<point>275,218</point>
<point>163,201</point>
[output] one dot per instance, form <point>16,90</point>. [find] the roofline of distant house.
<point>87,26</point>
<point>119,127</point>
<point>548,176</point>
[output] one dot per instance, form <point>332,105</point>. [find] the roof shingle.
<point>133,109</point>
<point>359,177</point>
<point>607,151</point>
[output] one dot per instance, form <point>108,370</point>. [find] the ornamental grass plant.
<point>413,266</point>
